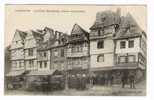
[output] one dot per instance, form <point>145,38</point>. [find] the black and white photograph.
<point>75,50</point>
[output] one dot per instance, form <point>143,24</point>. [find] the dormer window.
<point>103,19</point>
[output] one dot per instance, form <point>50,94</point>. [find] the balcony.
<point>127,65</point>
<point>77,54</point>
<point>100,36</point>
<point>41,58</point>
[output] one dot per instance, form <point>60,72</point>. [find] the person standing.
<point>132,81</point>
<point>111,80</point>
<point>123,80</point>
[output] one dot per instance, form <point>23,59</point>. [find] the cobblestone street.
<point>114,90</point>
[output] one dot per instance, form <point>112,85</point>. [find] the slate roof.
<point>48,29</point>
<point>50,43</point>
<point>105,18</point>
<point>37,35</point>
<point>42,46</point>
<point>128,28</point>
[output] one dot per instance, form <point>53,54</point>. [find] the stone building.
<point>102,46</point>
<point>130,52</point>
<point>115,46</point>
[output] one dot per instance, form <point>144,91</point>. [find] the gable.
<point>49,34</point>
<point>16,37</point>
<point>17,41</point>
<point>30,41</point>
<point>76,29</point>
<point>29,36</point>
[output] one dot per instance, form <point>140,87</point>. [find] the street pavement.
<point>114,90</point>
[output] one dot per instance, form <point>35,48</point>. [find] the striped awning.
<point>15,73</point>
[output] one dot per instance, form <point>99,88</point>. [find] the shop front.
<point>15,79</point>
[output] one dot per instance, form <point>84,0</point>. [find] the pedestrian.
<point>123,80</point>
<point>111,80</point>
<point>106,79</point>
<point>103,80</point>
<point>132,81</point>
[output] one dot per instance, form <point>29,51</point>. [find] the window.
<point>122,59</point>
<point>56,43</point>
<point>45,54</point>
<point>100,58</point>
<point>55,53</point>
<point>131,43</point>
<point>45,64</point>
<point>100,44</point>
<point>14,64</point>
<point>40,64</point>
<point>73,48</point>
<point>103,19</point>
<point>16,42</point>
<point>77,48</point>
<point>20,63</point>
<point>31,63</point>
<point>99,32</point>
<point>131,58</point>
<point>30,52</point>
<point>122,44</point>
<point>62,52</point>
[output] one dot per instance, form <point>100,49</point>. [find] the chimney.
<point>56,34</point>
<point>59,34</point>
<point>119,11</point>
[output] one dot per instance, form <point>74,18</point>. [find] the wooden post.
<point>66,73</point>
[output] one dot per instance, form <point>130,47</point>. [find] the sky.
<point>62,17</point>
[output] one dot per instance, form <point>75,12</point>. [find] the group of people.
<point>125,79</point>
<point>130,78</point>
<point>103,80</point>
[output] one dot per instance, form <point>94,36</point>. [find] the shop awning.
<point>126,66</point>
<point>101,68</point>
<point>15,73</point>
<point>37,73</point>
<point>116,67</point>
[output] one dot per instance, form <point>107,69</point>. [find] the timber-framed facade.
<point>115,46</point>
